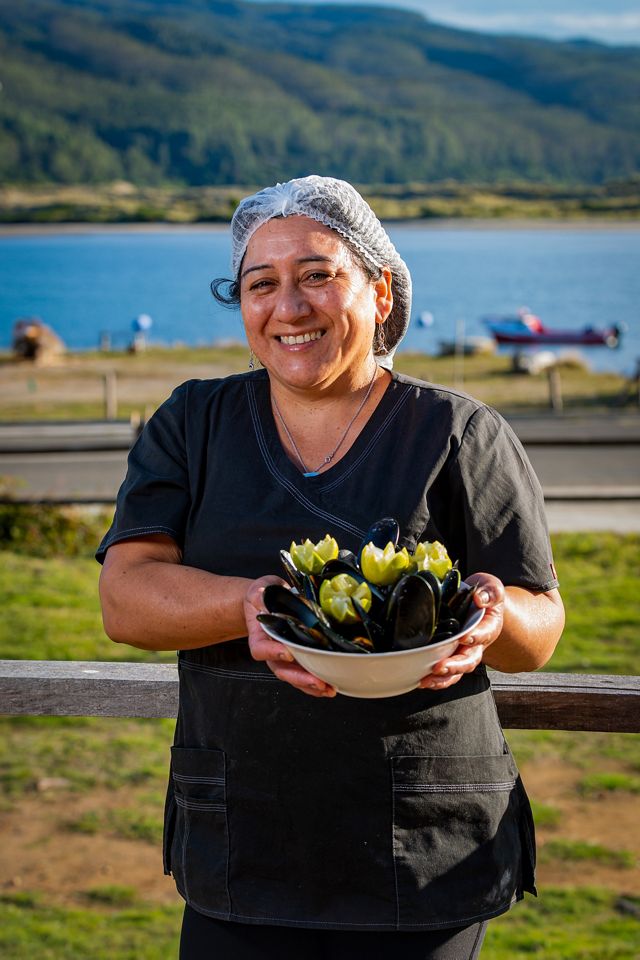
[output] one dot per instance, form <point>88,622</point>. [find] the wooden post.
<point>110,395</point>
<point>555,388</point>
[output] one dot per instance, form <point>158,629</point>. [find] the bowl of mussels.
<point>372,624</point>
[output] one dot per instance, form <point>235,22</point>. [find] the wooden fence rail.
<point>532,701</point>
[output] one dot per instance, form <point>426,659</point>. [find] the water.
<point>83,284</point>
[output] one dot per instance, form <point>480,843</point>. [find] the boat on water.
<point>525,328</point>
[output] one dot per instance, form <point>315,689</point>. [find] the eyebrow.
<point>269,266</point>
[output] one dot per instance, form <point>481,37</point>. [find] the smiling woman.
<point>318,823</point>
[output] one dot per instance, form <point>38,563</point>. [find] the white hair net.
<point>337,205</point>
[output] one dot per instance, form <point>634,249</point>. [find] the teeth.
<point>303,337</point>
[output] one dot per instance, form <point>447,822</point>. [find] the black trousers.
<point>206,939</point>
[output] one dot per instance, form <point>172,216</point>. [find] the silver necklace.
<point>329,457</point>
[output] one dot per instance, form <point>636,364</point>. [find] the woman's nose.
<point>292,304</point>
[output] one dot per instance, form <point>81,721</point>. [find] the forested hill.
<point>215,92</point>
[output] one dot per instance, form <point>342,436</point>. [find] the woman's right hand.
<point>277,657</point>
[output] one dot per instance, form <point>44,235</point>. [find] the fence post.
<point>555,388</point>
<point>110,395</point>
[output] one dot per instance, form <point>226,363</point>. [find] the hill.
<point>198,92</point>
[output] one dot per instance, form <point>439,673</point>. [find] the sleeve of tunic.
<point>497,506</point>
<point>155,495</point>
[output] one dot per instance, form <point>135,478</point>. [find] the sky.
<point>609,21</point>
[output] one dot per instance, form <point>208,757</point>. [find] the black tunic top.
<point>399,813</point>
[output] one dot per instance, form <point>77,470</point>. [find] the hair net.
<point>337,205</point>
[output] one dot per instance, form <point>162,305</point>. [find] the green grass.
<point>567,924</point>
<point>599,574</point>
<point>600,784</point>
<point>124,822</point>
<point>546,815</point>
<point>29,930</point>
<point>89,752</point>
<point>74,389</point>
<point>580,851</point>
<point>51,610</point>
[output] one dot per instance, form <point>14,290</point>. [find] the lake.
<point>83,283</point>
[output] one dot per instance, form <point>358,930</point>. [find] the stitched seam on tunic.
<point>401,400</point>
<point>329,924</point>
<point>123,534</point>
<point>393,846</point>
<point>226,826</point>
<point>185,840</point>
<point>185,779</point>
<point>193,804</point>
<point>229,674</point>
<point>455,787</point>
<point>275,473</point>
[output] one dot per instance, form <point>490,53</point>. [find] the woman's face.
<point>308,308</point>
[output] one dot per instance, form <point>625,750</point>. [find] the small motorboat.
<point>525,328</point>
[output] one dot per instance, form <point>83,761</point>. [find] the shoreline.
<point>84,228</point>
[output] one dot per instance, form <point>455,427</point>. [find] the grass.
<point>600,784</point>
<point>30,929</point>
<point>50,611</point>
<point>580,851</point>
<point>74,388</point>
<point>566,924</point>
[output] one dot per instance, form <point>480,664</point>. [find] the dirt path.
<point>39,854</point>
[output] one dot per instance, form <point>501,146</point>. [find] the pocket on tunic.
<point>456,837</point>
<point>199,847</point>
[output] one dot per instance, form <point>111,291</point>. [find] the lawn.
<point>109,775</point>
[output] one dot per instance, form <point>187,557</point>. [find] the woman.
<point>355,827</point>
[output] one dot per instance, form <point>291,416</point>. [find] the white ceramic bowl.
<point>376,674</point>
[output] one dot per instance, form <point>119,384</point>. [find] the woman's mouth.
<point>302,337</point>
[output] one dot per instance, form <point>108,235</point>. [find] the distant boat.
<point>526,328</point>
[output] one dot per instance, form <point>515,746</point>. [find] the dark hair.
<point>229,297</point>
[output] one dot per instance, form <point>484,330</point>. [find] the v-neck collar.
<point>273,451</point>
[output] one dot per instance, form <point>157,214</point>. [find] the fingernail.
<point>320,687</point>
<point>442,672</point>
<point>484,597</point>
<point>286,656</point>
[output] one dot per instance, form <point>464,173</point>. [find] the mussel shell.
<point>293,631</point>
<point>301,582</point>
<point>450,585</point>
<point>279,624</point>
<point>374,631</point>
<point>277,599</point>
<point>411,613</point>
<point>293,575</point>
<point>436,588</point>
<point>381,533</point>
<point>349,556</point>
<point>462,603</point>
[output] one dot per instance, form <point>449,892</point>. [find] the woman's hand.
<point>490,595</point>
<point>277,657</point>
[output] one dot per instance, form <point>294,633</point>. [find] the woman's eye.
<point>260,284</point>
<point>317,276</point>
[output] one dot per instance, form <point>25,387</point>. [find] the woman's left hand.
<point>490,595</point>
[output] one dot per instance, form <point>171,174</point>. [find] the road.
<point>593,486</point>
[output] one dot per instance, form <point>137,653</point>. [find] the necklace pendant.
<point>311,473</point>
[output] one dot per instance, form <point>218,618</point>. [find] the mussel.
<point>380,533</point>
<point>413,611</point>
